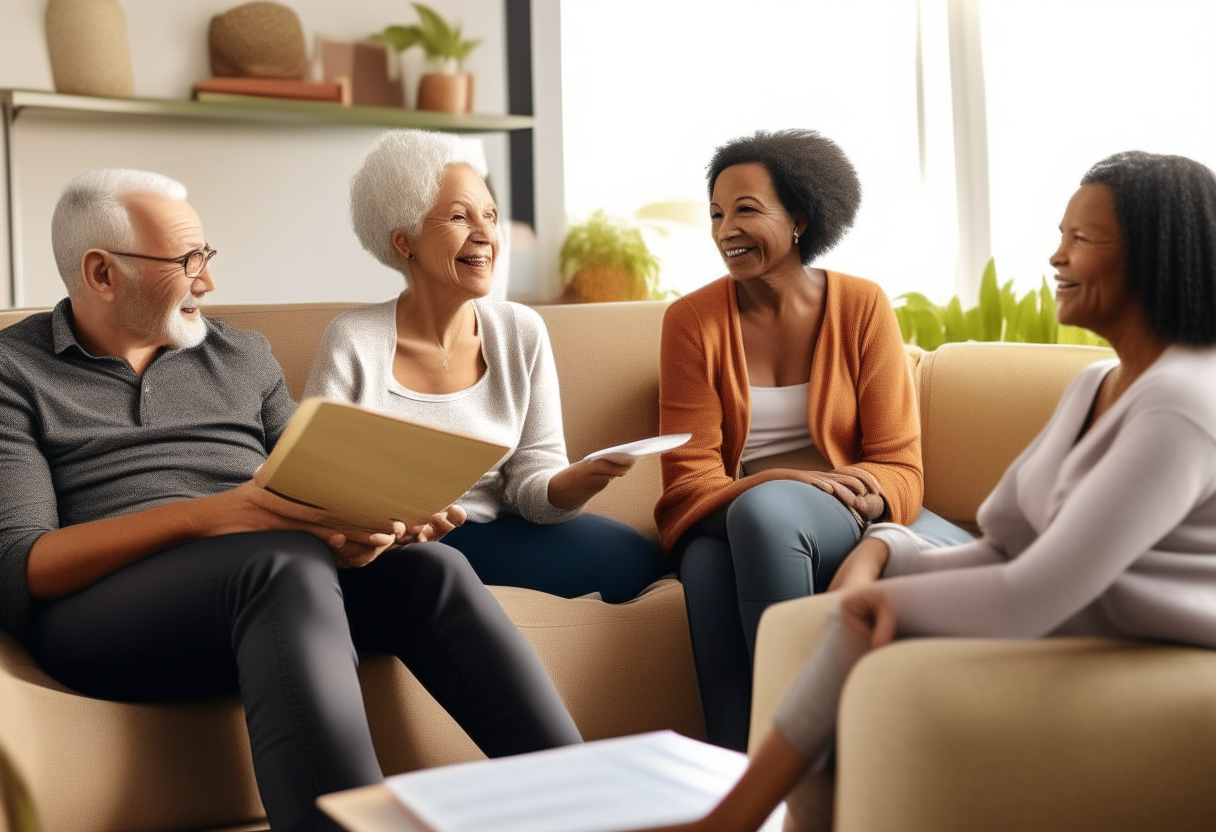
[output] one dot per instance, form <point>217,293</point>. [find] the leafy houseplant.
<point>604,259</point>
<point>444,87</point>
<point>1000,316</point>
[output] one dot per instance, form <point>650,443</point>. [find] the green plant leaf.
<point>1000,315</point>
<point>990,303</point>
<point>437,38</point>
<point>1010,313</point>
<point>1047,314</point>
<point>465,47</point>
<point>916,300</point>
<point>1028,320</point>
<point>926,328</point>
<point>433,25</point>
<point>904,318</point>
<point>399,38</point>
<point>954,321</point>
<point>975,324</point>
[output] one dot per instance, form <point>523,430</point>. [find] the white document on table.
<point>612,785</point>
<point>644,447</point>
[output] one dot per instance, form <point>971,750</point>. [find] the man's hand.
<point>578,483</point>
<point>251,508</point>
<point>862,567</point>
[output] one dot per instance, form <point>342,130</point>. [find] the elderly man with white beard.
<point>139,561</point>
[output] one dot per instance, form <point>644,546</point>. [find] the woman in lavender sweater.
<point>1104,526</point>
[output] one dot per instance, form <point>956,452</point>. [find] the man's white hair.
<point>398,182</point>
<point>90,214</point>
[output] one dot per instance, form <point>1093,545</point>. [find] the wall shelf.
<point>250,109</point>
<point>235,111</point>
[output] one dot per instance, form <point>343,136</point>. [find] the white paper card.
<point>645,447</point>
<point>610,785</point>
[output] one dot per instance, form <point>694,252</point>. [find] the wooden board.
<point>369,468</point>
<point>367,809</point>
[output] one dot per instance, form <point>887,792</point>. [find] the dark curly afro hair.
<point>812,177</point>
<point>1166,207</point>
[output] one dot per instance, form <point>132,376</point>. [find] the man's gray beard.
<point>182,333</point>
<point>178,332</point>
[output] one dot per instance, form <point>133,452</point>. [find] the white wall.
<point>272,198</point>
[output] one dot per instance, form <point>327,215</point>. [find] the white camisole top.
<point>779,422</point>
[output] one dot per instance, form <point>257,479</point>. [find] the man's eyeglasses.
<point>192,262</point>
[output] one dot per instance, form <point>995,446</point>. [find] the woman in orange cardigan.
<point>794,384</point>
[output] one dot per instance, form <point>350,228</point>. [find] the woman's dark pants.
<point>781,540</point>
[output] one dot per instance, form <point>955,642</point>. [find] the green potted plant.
<point>445,86</point>
<point>604,259</point>
<point>999,316</point>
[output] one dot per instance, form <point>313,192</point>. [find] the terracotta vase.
<point>87,42</point>
<point>603,283</point>
<point>446,92</point>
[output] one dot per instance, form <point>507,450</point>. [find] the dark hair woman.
<point>794,384</point>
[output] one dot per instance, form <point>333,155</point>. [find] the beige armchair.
<point>938,735</point>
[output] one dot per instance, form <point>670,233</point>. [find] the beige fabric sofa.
<point>98,766</point>
<point>95,766</point>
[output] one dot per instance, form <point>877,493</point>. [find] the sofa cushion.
<point>980,405</point>
<point>293,329</point>
<point>613,347</point>
<point>96,766</point>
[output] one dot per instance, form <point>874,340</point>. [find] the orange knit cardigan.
<point>861,408</point>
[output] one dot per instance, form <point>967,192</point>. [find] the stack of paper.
<point>611,785</point>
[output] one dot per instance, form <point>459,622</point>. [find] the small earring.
<point>795,236</point>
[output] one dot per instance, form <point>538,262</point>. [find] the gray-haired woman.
<point>444,353</point>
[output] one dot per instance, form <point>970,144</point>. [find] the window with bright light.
<point>651,87</point>
<point>1070,82</point>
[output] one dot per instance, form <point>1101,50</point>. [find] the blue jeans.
<point>782,539</point>
<point>587,554</point>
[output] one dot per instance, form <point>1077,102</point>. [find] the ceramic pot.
<point>446,93</point>
<point>87,42</point>
<point>603,283</point>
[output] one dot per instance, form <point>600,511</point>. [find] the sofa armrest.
<point>1054,734</point>
<point>787,636</point>
<point>1051,734</point>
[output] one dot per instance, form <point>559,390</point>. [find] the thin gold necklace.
<point>445,349</point>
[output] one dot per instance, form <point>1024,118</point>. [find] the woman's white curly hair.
<point>398,182</point>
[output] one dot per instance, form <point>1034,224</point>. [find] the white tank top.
<point>779,423</point>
